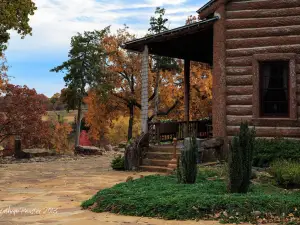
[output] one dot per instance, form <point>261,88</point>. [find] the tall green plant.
<point>187,164</point>
<point>240,160</point>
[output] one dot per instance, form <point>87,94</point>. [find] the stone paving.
<point>50,193</point>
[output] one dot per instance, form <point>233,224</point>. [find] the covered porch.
<point>193,42</point>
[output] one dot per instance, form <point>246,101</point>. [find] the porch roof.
<point>193,42</point>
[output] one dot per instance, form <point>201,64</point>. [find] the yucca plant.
<point>187,163</point>
<point>240,160</point>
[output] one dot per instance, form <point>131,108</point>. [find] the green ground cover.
<point>162,197</point>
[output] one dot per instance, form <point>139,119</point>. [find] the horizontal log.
<point>239,110</point>
<point>268,131</point>
<point>259,5</point>
<point>237,120</point>
<point>263,32</point>
<point>263,13</point>
<point>298,59</point>
<point>241,100</point>
<point>239,80</point>
<point>262,22</point>
<point>239,61</point>
<point>268,138</point>
<point>263,41</point>
<point>297,68</point>
<point>262,50</point>
<point>298,88</point>
<point>242,70</point>
<point>298,102</point>
<point>240,90</point>
<point>244,61</point>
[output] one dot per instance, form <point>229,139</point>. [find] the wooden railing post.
<point>175,148</point>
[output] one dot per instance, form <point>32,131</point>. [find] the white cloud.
<point>56,21</point>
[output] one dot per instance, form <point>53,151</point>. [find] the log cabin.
<point>253,47</point>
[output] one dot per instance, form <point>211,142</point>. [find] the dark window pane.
<point>274,77</point>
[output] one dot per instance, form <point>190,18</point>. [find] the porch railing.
<point>166,131</point>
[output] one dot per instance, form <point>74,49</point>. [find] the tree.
<point>3,73</point>
<point>84,68</point>
<point>100,115</point>
<point>21,115</point>
<point>14,16</point>
<point>160,63</point>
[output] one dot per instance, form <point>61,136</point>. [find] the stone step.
<point>160,155</point>
<point>158,169</point>
<point>156,162</point>
<point>161,148</point>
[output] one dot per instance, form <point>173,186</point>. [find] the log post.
<point>144,113</point>
<point>18,148</point>
<point>187,63</point>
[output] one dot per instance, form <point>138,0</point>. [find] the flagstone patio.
<point>51,193</point>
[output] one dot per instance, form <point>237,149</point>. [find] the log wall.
<point>258,27</point>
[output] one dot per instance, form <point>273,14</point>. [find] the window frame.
<point>292,85</point>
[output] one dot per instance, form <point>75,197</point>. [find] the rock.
<point>134,152</point>
<point>87,150</point>
<point>108,148</point>
<point>122,145</point>
<point>116,149</point>
<point>254,174</point>
<point>37,152</point>
<point>215,144</point>
<point>256,213</point>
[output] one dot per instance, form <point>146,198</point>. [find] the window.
<point>274,88</point>
<point>274,98</point>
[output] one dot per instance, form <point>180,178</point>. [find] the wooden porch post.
<point>187,63</point>
<point>144,113</point>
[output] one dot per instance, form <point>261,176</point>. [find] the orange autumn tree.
<point>200,92</point>
<point>125,69</point>
<point>100,115</point>
<point>59,138</point>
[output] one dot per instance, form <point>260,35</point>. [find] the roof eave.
<point>208,4</point>
<point>146,39</point>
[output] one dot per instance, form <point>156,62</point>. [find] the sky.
<point>56,21</point>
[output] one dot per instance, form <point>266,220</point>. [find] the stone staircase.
<point>159,158</point>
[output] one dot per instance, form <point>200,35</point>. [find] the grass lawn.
<point>161,196</point>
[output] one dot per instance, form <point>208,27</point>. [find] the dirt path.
<point>51,193</point>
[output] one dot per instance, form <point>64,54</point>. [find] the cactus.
<point>240,160</point>
<point>187,164</point>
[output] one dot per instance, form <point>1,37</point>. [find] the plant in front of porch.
<point>240,160</point>
<point>187,163</point>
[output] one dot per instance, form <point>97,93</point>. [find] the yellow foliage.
<point>60,137</point>
<point>118,131</point>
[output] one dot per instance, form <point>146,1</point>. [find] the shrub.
<point>286,173</point>
<point>187,164</point>
<point>267,151</point>
<point>240,160</point>
<point>118,163</point>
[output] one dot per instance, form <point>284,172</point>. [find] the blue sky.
<point>56,21</point>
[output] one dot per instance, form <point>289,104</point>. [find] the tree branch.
<point>164,113</point>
